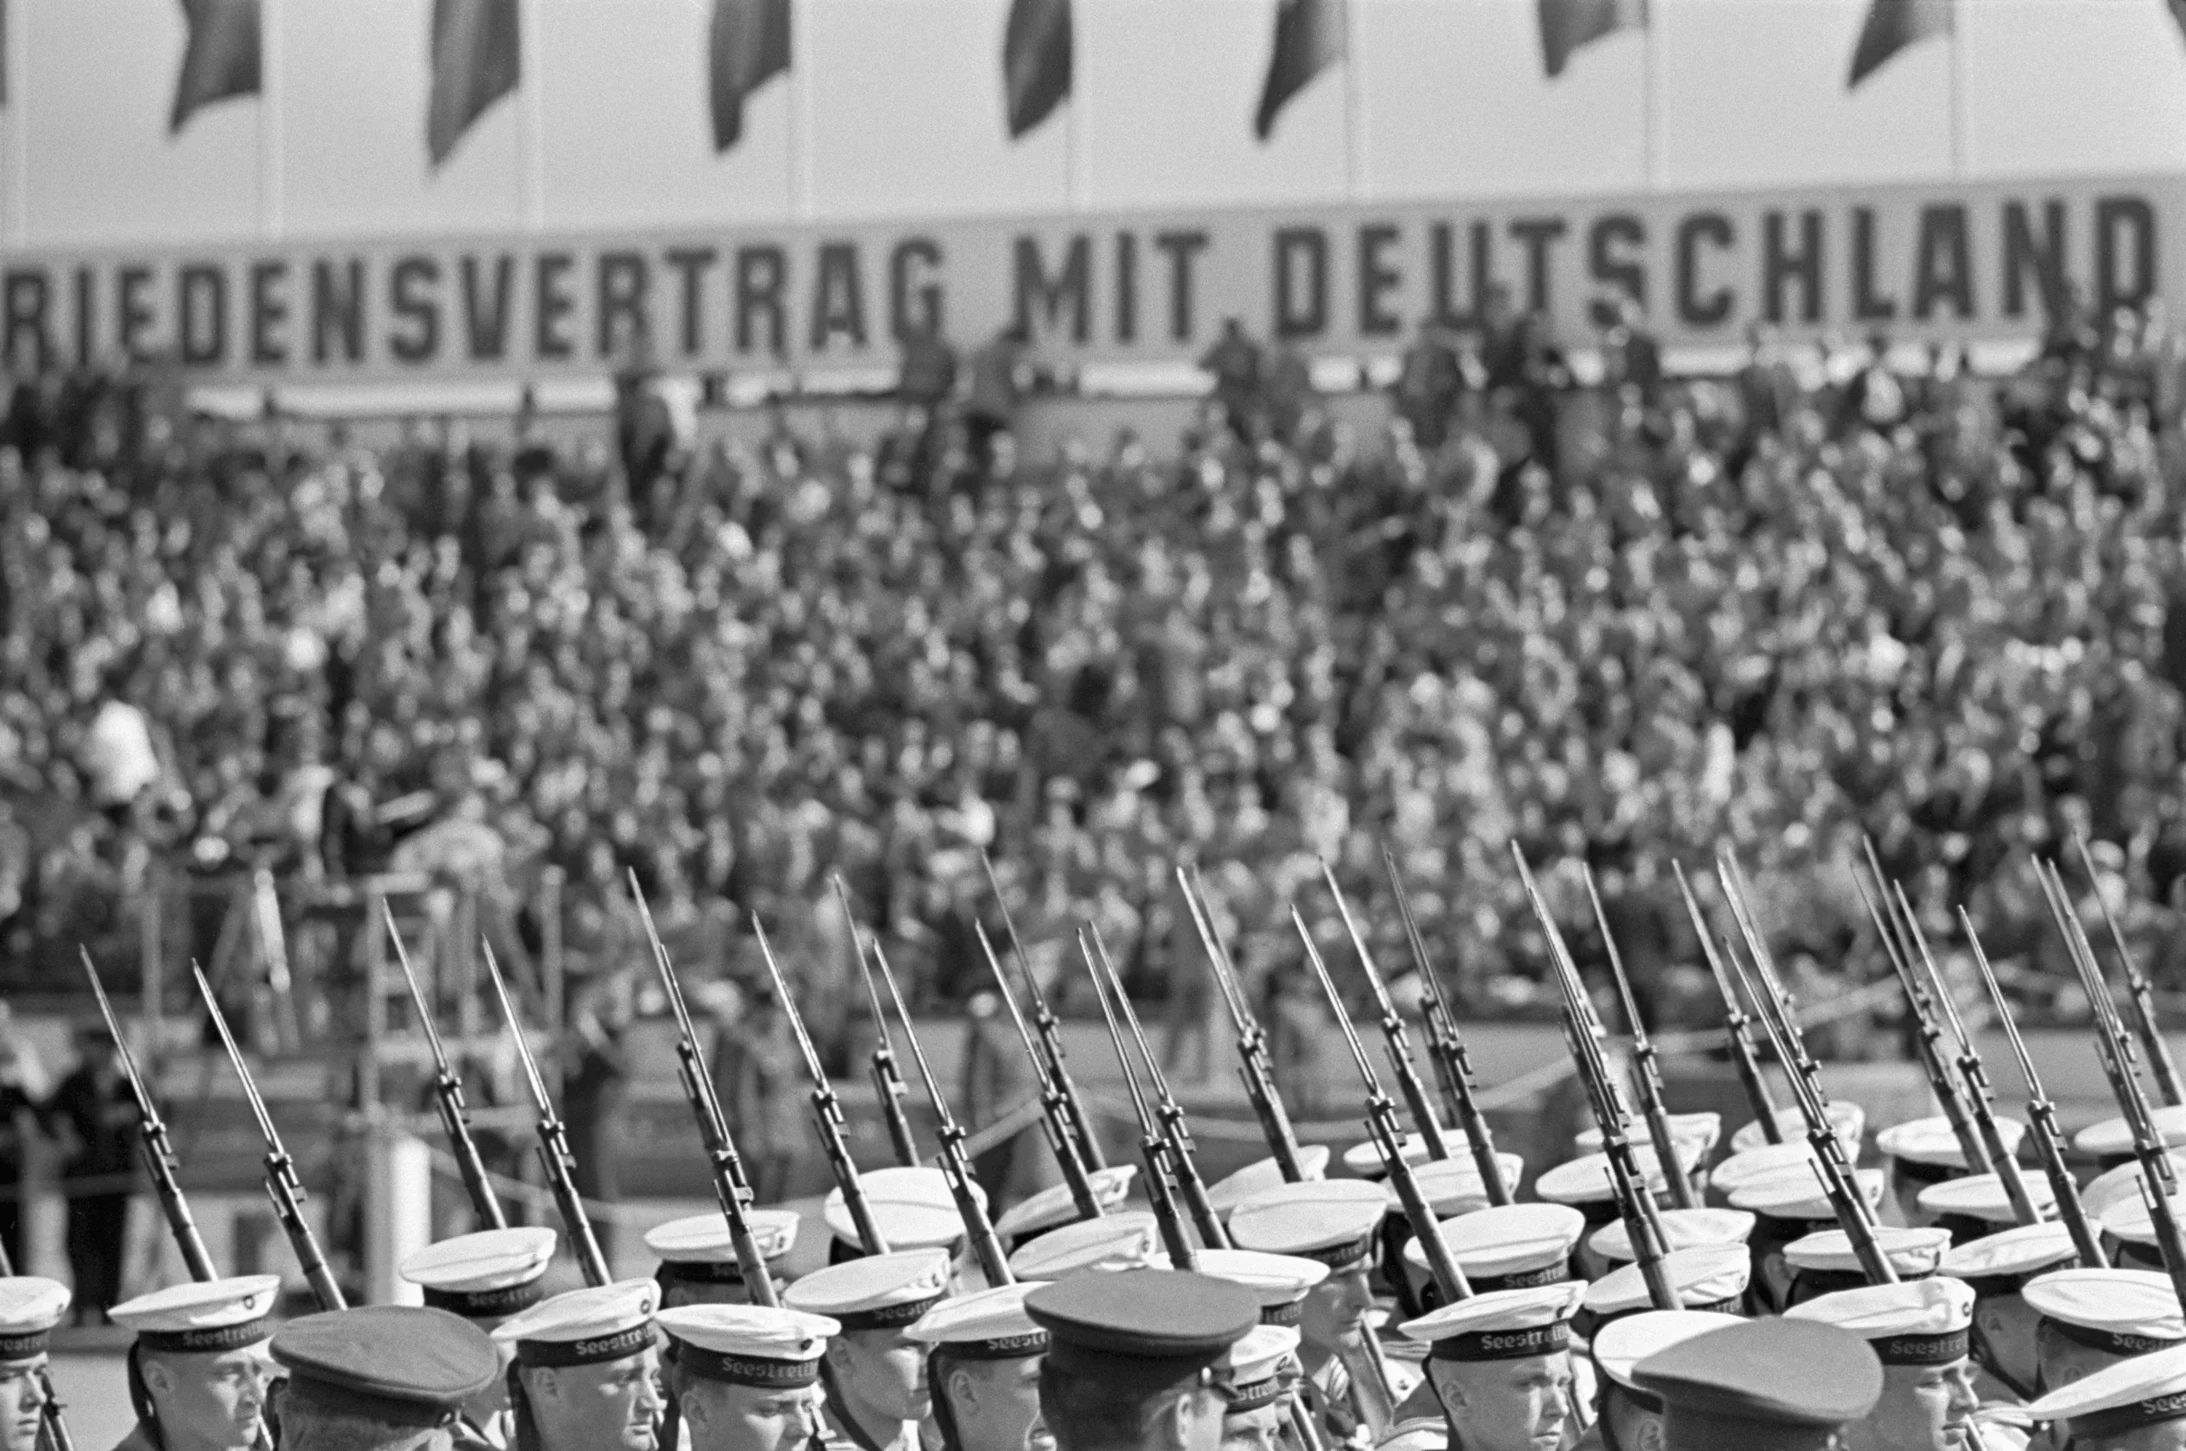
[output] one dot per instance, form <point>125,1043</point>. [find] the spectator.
<point>1235,363</point>
<point>593,1096</point>
<point>98,1170</point>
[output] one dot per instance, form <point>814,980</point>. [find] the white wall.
<point>894,110</point>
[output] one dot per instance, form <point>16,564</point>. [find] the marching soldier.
<point>1788,1206</point>
<point>1762,1385</point>
<point>698,1264</point>
<point>1452,1188</point>
<point>1584,1184</point>
<point>485,1277</point>
<point>1978,1206</point>
<point>2137,1405</point>
<point>747,1376</point>
<point>983,1371</point>
<point>914,1207</point>
<point>1335,1221</point>
<point>1925,1152</point>
<point>1255,1392</point>
<point>30,1306</point>
<point>1233,1189</point>
<point>1500,1364</point>
<point>199,1370</point>
<point>1823,1263</point>
<point>586,1374</point>
<point>1127,1241</point>
<point>2090,1319</point>
<point>1920,1331</point>
<point>1131,1356</point>
<point>1053,1207</point>
<point>1681,1229</point>
<point>380,1378</point>
<point>2005,1327</point>
<point>1627,1418</point>
<point>1708,1277</point>
<point>875,1374</point>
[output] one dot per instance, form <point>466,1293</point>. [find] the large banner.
<point>1939,261</point>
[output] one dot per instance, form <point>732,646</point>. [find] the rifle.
<point>887,1083</point>
<point>1056,1123</point>
<point>1980,1096</point>
<point>159,1152</point>
<point>1839,1184</point>
<point>1392,1029</point>
<point>2138,992</point>
<point>730,1188</point>
<point>1388,1136</point>
<point>554,1155</point>
<point>985,1246</point>
<point>1154,1147</point>
<point>2113,1046</point>
<point>827,1109</point>
<point>1447,1049</point>
<point>1252,1043</point>
<point>1051,1037</point>
<point>1737,1027</point>
<point>1635,1200</point>
<point>1646,1073</point>
<point>1183,1156</point>
<point>455,1118</point>
<point>282,1186</point>
<point>1927,1037</point>
<point>2041,1119</point>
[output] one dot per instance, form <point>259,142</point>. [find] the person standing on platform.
<point>758,1077</point>
<point>22,1089</point>
<point>998,1078</point>
<point>98,1172</point>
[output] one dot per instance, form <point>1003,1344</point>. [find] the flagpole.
<point>17,117</point>
<point>1353,105</point>
<point>530,120</point>
<point>1958,90</point>
<point>800,118</point>
<point>1650,163</point>
<point>272,78</point>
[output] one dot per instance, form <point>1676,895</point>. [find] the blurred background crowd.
<point>1622,620</point>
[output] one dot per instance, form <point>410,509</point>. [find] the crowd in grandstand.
<point>1624,623</point>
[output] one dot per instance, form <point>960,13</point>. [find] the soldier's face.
<point>1335,1308</point>
<point>749,1418</point>
<point>996,1405</point>
<point>884,1369</point>
<point>20,1402</point>
<point>2170,1436</point>
<point>1923,1408</point>
<point>1256,1430</point>
<point>1506,1405</point>
<point>611,1405</point>
<point>213,1400</point>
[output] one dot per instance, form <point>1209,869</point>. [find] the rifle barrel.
<point>282,1186</point>
<point>1252,1067</point>
<point>978,1228</point>
<point>1647,1077</point>
<point>1392,1028</point>
<point>159,1155</point>
<point>1745,1060</point>
<point>554,1153</point>
<point>1154,1147</point>
<point>1081,1128</point>
<point>887,1082</point>
<point>2158,1048</point>
<point>455,1119</point>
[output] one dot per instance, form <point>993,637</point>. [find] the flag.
<point>1036,61</point>
<point>2178,13</point>
<point>1891,26</point>
<point>220,59</point>
<point>749,46</point>
<point>476,61</point>
<point>1568,24</point>
<point>1309,37</point>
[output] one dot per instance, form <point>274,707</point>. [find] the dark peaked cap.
<point>1141,1329</point>
<point>1765,1385</point>
<point>401,1363</point>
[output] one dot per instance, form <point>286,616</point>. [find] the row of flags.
<point>476,57</point>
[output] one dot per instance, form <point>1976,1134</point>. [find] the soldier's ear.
<point>961,1388</point>
<point>546,1384</point>
<point>158,1379</point>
